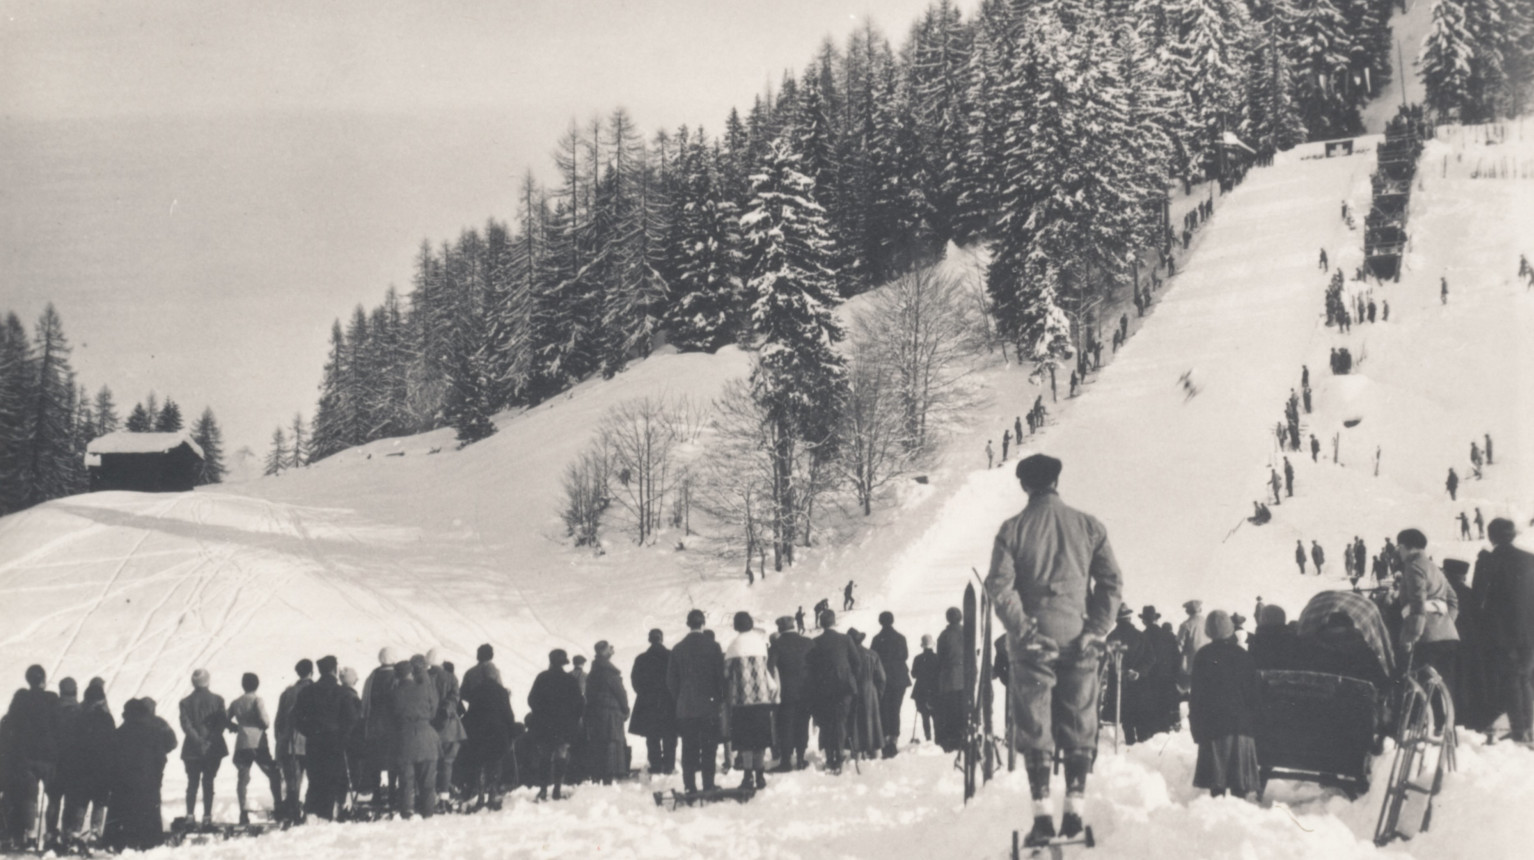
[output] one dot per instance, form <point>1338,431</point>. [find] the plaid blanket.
<point>1365,615</point>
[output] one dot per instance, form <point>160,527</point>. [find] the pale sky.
<point>200,188</point>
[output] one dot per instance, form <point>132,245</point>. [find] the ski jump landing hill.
<point>459,547</point>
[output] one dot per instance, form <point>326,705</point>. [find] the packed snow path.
<point>1172,476</point>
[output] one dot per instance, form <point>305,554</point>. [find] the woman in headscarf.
<point>751,694</point>
<point>1222,712</point>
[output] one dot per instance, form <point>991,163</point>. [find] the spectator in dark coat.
<point>788,655</point>
<point>450,733</point>
<point>416,746</point>
<point>607,709</point>
<point>202,752</point>
<point>924,688</point>
<point>139,749</point>
<point>554,720</point>
<point>1222,712</point>
<point>69,711</point>
<point>890,645</point>
<point>378,724</point>
<point>1508,607</point>
<point>695,676</point>
<point>654,716</point>
<point>326,715</point>
<point>1275,645</point>
<point>1161,697</point>
<point>1138,661</point>
<point>29,750</point>
<point>833,669</point>
<point>291,749</point>
<point>484,665</point>
<point>866,732</point>
<point>491,727</point>
<point>85,761</point>
<point>952,686</point>
<point>1472,702</point>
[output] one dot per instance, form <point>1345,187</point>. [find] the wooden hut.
<point>144,462</point>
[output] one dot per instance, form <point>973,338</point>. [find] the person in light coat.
<point>447,721</point>
<point>1055,585</point>
<point>291,749</point>
<point>1429,607</point>
<point>751,692</point>
<point>416,745</point>
<point>248,721</point>
<point>203,719</point>
<point>607,709</point>
<point>1190,638</point>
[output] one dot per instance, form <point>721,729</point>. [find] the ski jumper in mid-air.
<point>1056,586</point>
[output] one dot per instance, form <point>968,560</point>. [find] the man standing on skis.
<point>1056,586</point>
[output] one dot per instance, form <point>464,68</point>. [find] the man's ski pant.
<point>793,728</point>
<point>1054,702</point>
<point>700,748</point>
<point>889,711</point>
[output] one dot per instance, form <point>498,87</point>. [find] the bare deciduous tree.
<point>642,435</point>
<point>872,429</point>
<point>586,494</point>
<point>735,479</point>
<point>919,331</point>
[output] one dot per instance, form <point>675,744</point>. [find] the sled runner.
<point>678,799</point>
<point>186,831</point>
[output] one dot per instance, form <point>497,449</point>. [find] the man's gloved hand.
<point>1131,675</point>
<point>1039,647</point>
<point>1093,645</point>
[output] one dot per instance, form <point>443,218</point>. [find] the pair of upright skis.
<point>981,756</point>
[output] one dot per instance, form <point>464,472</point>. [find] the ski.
<point>971,616</point>
<point>1054,849</point>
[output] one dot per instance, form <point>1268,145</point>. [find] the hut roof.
<point>125,442</point>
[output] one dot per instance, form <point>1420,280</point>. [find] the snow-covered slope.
<point>459,547</point>
<point>1407,30</point>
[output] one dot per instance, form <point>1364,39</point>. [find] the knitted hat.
<point>1218,625</point>
<point>1126,612</point>
<point>786,624</point>
<point>558,657</point>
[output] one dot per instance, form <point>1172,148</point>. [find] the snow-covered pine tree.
<point>988,108</point>
<point>706,310</point>
<point>902,217</point>
<point>630,225</point>
<point>1210,62</point>
<point>208,436</point>
<point>16,383</point>
<point>937,72</point>
<point>797,378</point>
<point>1448,54</point>
<point>1273,118</point>
<point>1320,50</point>
<point>52,470</point>
<point>277,455</point>
<point>107,420</point>
<point>169,420</point>
<point>138,420</point>
<point>298,452</point>
<point>328,433</point>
